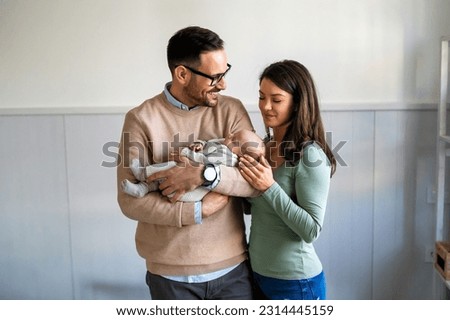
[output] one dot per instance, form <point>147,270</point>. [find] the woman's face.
<point>275,104</point>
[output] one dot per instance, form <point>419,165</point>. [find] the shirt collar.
<point>174,101</point>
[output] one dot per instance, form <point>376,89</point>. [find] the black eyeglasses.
<point>214,79</point>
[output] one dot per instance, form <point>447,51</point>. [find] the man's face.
<point>198,90</point>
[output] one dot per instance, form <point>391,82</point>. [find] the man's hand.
<point>213,202</point>
<point>186,176</point>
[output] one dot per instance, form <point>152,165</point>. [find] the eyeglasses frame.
<point>214,79</point>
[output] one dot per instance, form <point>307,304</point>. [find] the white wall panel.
<point>34,230</point>
<point>345,245</point>
<point>106,264</point>
<point>389,215</point>
<point>402,143</point>
<point>420,274</point>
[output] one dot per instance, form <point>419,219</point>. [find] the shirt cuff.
<point>198,212</point>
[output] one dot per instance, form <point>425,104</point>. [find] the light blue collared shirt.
<point>198,209</point>
<point>174,101</point>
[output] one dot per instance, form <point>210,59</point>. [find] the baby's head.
<point>245,142</point>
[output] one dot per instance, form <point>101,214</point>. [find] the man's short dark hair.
<point>186,45</point>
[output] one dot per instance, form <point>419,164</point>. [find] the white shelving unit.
<point>442,152</point>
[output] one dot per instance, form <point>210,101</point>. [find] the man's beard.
<point>200,100</point>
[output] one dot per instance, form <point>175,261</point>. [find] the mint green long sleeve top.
<point>288,217</point>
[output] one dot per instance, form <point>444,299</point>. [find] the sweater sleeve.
<point>233,184</point>
<point>312,179</point>
<point>152,208</point>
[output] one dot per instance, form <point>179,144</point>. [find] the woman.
<point>294,179</point>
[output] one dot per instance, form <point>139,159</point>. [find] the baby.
<point>224,151</point>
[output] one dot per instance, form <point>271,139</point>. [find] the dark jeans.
<point>235,285</point>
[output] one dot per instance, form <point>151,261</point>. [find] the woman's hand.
<point>258,174</point>
<point>213,202</point>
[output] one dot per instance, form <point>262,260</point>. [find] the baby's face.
<point>233,144</point>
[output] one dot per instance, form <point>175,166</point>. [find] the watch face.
<point>209,174</point>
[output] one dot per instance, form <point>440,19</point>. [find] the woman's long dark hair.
<point>306,126</point>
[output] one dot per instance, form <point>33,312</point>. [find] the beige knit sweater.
<point>167,236</point>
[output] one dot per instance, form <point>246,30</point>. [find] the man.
<point>193,250</point>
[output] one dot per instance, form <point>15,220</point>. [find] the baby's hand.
<point>196,146</point>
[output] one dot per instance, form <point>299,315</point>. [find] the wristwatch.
<point>209,174</point>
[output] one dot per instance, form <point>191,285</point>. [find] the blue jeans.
<point>306,289</point>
